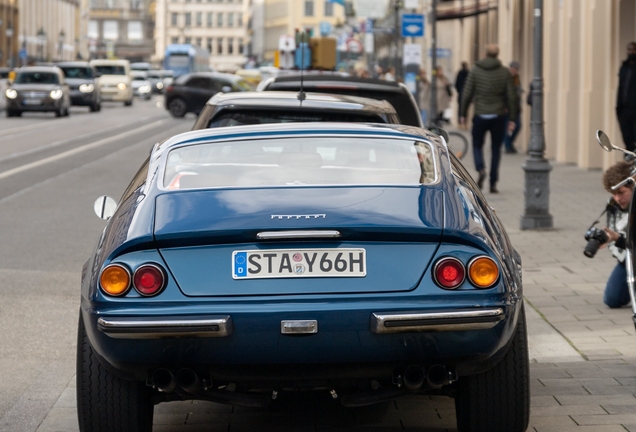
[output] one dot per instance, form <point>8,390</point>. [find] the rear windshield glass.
<point>78,72</point>
<point>301,161</point>
<point>37,78</point>
<point>111,70</point>
<point>252,117</point>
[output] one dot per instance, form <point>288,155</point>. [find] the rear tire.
<point>59,113</point>
<point>106,403</point>
<point>498,400</point>
<point>93,107</point>
<point>128,103</point>
<point>178,108</point>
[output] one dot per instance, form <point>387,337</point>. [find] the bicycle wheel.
<point>458,144</point>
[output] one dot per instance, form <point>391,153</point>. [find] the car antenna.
<point>301,94</point>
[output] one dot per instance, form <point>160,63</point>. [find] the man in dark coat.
<point>460,81</point>
<point>626,98</point>
<point>491,87</point>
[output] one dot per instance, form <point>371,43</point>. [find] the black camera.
<point>595,238</point>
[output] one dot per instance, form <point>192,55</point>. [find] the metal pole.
<point>537,168</point>
<point>476,30</point>
<point>432,115</point>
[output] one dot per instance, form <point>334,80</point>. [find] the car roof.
<point>273,130</point>
<point>227,76</point>
<point>73,64</point>
<point>282,99</point>
<point>311,80</point>
<point>108,62</point>
<point>50,69</point>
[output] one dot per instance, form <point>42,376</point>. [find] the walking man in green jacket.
<point>490,86</point>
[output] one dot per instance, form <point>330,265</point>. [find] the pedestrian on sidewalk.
<point>460,82</point>
<point>626,98</point>
<point>616,291</point>
<point>491,87</point>
<point>444,93</point>
<point>424,96</point>
<point>509,140</point>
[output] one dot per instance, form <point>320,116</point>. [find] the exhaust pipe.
<point>163,380</point>
<point>436,376</point>
<point>414,377</point>
<point>189,381</point>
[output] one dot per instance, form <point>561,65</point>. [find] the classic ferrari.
<point>245,263</point>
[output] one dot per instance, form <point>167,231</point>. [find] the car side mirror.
<point>105,207</point>
<point>226,89</point>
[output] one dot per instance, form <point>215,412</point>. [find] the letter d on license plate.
<point>290,263</point>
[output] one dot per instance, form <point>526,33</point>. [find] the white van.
<point>114,80</point>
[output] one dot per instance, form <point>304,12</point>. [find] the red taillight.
<point>149,280</point>
<point>169,89</point>
<point>449,273</point>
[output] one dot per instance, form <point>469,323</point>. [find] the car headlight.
<point>144,89</point>
<point>121,86</point>
<point>159,85</point>
<point>11,94</point>
<point>86,88</point>
<point>56,94</point>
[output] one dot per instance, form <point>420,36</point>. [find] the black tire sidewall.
<point>173,108</point>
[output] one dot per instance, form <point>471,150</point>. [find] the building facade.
<point>49,30</point>
<point>121,29</point>
<point>220,26</point>
<point>9,29</point>
<point>284,17</point>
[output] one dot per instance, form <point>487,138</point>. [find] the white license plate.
<point>290,263</point>
<point>32,101</point>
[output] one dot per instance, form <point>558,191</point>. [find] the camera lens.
<point>591,248</point>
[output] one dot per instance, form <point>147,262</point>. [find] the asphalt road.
<point>51,172</point>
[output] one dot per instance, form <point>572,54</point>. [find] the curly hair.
<point>616,174</point>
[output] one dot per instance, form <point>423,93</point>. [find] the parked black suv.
<point>397,94</point>
<point>81,78</point>
<point>190,92</point>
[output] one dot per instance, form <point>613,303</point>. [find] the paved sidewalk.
<point>583,354</point>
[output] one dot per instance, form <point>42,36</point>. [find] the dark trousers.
<point>617,291</point>
<point>627,121</point>
<point>509,139</point>
<point>497,128</point>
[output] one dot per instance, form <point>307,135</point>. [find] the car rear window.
<point>77,72</point>
<point>252,117</point>
<point>110,70</point>
<point>37,78</point>
<point>301,161</point>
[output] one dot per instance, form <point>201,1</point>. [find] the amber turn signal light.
<point>483,272</point>
<point>115,280</point>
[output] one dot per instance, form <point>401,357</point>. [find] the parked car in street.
<point>82,78</point>
<point>141,84</point>
<point>38,88</point>
<point>189,93</point>
<point>114,80</point>
<point>252,108</point>
<point>397,94</point>
<point>156,81</point>
<point>245,264</point>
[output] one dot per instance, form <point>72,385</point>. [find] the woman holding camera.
<point>616,291</point>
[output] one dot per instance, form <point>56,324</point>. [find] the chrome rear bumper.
<point>480,319</point>
<point>148,328</point>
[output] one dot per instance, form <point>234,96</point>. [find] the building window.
<point>239,19</point>
<point>175,39</point>
<point>135,30</point>
<point>328,8</point>
<point>174,19</point>
<point>230,20</point>
<point>199,42</point>
<point>93,30</point>
<point>188,19</point>
<point>188,40</point>
<point>241,46</point>
<point>209,19</point>
<point>210,45</point>
<point>309,8</point>
<point>219,46</point>
<point>230,45</point>
<point>135,4</point>
<point>111,31</point>
<point>199,19</point>
<point>219,20</point>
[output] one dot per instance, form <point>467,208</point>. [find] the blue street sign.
<point>369,27</point>
<point>325,28</point>
<point>412,25</point>
<point>441,53</point>
<point>22,54</point>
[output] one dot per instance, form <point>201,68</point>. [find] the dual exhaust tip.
<point>186,380</point>
<point>415,377</point>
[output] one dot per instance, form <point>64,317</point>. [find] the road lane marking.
<point>78,150</point>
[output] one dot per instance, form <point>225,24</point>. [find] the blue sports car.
<point>356,259</point>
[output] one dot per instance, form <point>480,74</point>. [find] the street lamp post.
<point>9,34</point>
<point>61,44</point>
<point>397,63</point>
<point>432,115</point>
<point>537,168</point>
<point>41,41</point>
